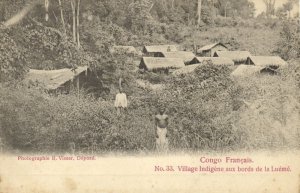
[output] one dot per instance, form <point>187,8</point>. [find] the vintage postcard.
<point>138,96</point>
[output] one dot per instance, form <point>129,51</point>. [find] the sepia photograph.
<point>170,93</point>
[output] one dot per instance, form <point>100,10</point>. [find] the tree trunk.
<point>46,10</point>
<point>199,12</point>
<point>78,41</point>
<point>74,19</point>
<point>226,9</point>
<point>194,40</point>
<point>62,17</point>
<point>172,4</point>
<point>270,7</point>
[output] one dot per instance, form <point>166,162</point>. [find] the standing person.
<point>1,145</point>
<point>120,101</point>
<point>72,148</point>
<point>161,123</point>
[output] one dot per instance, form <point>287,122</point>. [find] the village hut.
<point>238,57</point>
<point>158,64</point>
<point>128,50</point>
<point>57,80</point>
<point>267,61</point>
<point>155,51</point>
<point>185,56</point>
<point>251,70</point>
<point>209,50</point>
<point>214,60</point>
<point>186,70</point>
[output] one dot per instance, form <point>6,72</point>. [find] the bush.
<point>12,60</point>
<point>288,46</point>
<point>269,118</point>
<point>153,78</point>
<point>33,121</point>
<point>199,106</point>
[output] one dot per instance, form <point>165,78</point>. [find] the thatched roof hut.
<point>210,46</point>
<point>153,50</point>
<point>214,60</point>
<point>186,69</point>
<point>246,70</point>
<point>53,79</point>
<point>219,46</point>
<point>210,49</point>
<point>238,57</point>
<point>158,63</point>
<point>124,49</point>
<point>271,61</point>
<point>185,56</point>
<point>250,70</point>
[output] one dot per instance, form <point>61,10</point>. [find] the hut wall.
<point>161,71</point>
<point>158,54</point>
<point>249,62</point>
<point>142,65</point>
<point>152,54</point>
<point>268,71</point>
<point>239,62</point>
<point>70,85</point>
<point>206,53</point>
<point>210,52</point>
<point>194,61</point>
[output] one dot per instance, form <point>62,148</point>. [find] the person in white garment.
<point>1,145</point>
<point>72,148</point>
<point>161,123</point>
<point>121,101</point>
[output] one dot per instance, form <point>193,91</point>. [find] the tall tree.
<point>199,12</point>
<point>62,17</point>
<point>288,6</point>
<point>270,7</point>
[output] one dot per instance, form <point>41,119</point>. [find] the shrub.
<point>153,78</point>
<point>289,44</point>
<point>270,116</point>
<point>200,106</point>
<point>12,60</point>
<point>35,122</point>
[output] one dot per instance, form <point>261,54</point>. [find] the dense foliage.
<point>201,106</point>
<point>208,110</point>
<point>12,60</point>
<point>289,44</point>
<point>196,121</point>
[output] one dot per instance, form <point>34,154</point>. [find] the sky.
<point>260,6</point>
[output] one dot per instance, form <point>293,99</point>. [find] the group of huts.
<point>169,59</point>
<point>164,59</point>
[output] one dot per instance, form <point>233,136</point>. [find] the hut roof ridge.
<point>52,79</point>
<point>267,60</point>
<point>210,46</point>
<point>160,62</point>
<point>160,48</point>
